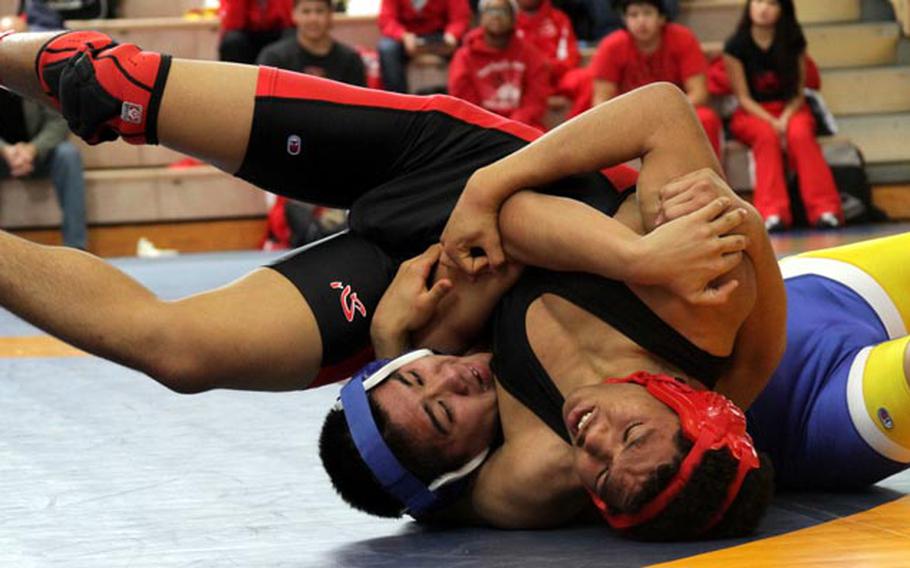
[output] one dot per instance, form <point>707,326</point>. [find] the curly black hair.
<point>687,515</point>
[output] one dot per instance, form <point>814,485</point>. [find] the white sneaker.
<point>827,220</point>
<point>774,224</point>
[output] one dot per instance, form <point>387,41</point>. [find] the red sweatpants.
<point>816,184</point>
<point>713,126</point>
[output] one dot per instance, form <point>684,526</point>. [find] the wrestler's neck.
<point>578,349</point>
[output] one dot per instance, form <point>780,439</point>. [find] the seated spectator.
<point>550,30</point>
<point>33,144</point>
<point>412,27</point>
<point>497,70</point>
<point>49,15</point>
<point>766,64</point>
<point>313,50</point>
<point>247,26</point>
<point>652,49</point>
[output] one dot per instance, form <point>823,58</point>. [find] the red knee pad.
<point>104,89</point>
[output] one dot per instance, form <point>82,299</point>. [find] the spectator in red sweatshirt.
<point>410,27</point>
<point>550,30</point>
<point>651,49</point>
<point>497,70</point>
<point>247,26</point>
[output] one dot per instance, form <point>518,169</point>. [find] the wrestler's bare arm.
<point>655,123</point>
<point>761,338</point>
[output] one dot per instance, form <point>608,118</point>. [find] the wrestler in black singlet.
<point>397,162</point>
<point>520,372</point>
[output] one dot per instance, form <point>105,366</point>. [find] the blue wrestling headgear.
<point>416,497</point>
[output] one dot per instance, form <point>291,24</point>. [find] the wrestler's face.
<point>644,22</point>
<point>764,13</point>
<point>497,18</point>
<point>313,19</point>
<point>443,402</point>
<point>621,434</point>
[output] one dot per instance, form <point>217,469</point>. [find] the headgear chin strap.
<point>416,497</point>
<point>711,422</point>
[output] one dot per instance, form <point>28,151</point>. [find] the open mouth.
<point>579,420</point>
<point>483,376</point>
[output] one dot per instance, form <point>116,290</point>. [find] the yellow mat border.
<point>877,538</point>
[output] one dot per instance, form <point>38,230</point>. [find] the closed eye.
<point>625,435</point>
<point>447,410</point>
<point>435,421</point>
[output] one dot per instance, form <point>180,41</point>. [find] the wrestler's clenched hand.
<point>688,254</point>
<point>691,192</point>
<point>408,303</point>
<point>471,237</point>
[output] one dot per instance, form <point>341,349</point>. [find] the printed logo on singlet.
<point>885,418</point>
<point>294,144</point>
<point>131,113</point>
<point>350,303</point>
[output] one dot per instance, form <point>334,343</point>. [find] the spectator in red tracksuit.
<point>409,27</point>
<point>249,25</point>
<point>766,63</point>
<point>499,71</point>
<point>550,30</point>
<point>651,49</point>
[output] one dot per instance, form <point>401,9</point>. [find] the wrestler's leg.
<point>257,333</point>
<point>218,111</point>
<point>878,397</point>
<point>886,260</point>
<point>857,432</point>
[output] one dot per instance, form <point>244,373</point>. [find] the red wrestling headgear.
<point>711,422</point>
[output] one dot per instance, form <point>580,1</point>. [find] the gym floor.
<point>102,467</point>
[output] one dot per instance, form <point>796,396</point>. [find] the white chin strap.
<point>387,371</point>
<point>463,471</point>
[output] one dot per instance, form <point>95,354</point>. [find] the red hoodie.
<point>256,15</point>
<point>438,16</point>
<point>513,82</point>
<point>550,30</point>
